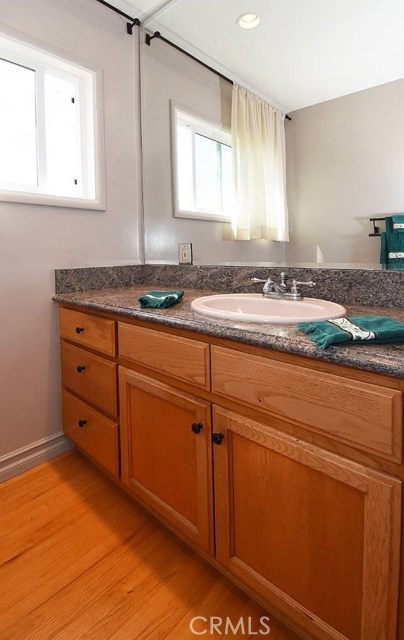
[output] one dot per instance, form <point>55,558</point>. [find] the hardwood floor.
<point>80,560</point>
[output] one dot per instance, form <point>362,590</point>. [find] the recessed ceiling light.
<point>248,21</point>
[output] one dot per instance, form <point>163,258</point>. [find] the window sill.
<point>202,215</point>
<point>53,201</point>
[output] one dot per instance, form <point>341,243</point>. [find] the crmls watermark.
<point>215,625</point>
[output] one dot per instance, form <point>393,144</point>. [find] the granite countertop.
<point>385,359</point>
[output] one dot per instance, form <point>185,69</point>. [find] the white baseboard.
<point>35,453</point>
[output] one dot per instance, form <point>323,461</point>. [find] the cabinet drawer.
<point>91,377</point>
<point>178,357</point>
<point>92,432</point>
<point>89,331</point>
<point>360,414</point>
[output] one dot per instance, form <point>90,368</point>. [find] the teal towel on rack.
<point>392,245</point>
<point>354,330</point>
<point>398,223</point>
<point>160,299</point>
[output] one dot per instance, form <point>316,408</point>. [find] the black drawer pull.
<point>217,438</point>
<point>82,423</point>
<point>79,329</point>
<point>80,368</point>
<point>197,427</point>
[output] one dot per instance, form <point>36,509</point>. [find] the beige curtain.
<point>258,139</point>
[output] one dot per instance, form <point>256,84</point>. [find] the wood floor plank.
<point>79,560</point>
<point>82,602</point>
<point>53,510</point>
<point>14,493</point>
<point>60,558</point>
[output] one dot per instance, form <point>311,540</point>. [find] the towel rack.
<point>376,228</point>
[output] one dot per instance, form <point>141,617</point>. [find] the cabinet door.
<point>315,535</point>
<point>166,453</point>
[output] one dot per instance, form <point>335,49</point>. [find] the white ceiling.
<point>303,52</point>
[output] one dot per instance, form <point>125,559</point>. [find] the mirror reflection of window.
<point>202,168</point>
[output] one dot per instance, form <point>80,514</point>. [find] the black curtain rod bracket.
<point>149,38</point>
<point>129,25</point>
<point>157,34</point>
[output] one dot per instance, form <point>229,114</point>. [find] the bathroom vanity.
<point>281,468</point>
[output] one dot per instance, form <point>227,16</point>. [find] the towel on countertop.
<point>392,243</point>
<point>160,299</point>
<point>355,330</point>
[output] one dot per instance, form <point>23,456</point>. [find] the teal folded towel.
<point>355,330</point>
<point>392,244</point>
<point>160,299</point>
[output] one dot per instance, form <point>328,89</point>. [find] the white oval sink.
<point>253,307</point>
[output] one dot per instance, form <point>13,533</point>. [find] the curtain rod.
<point>136,22</point>
<point>129,25</point>
<point>158,35</point>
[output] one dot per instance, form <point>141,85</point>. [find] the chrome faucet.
<point>272,289</point>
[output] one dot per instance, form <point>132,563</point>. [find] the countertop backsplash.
<point>345,286</point>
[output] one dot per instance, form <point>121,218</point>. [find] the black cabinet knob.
<point>217,438</point>
<point>197,427</point>
<point>81,423</point>
<point>79,329</point>
<point>80,368</point>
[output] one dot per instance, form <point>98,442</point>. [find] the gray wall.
<point>34,240</point>
<point>168,74</point>
<point>345,163</point>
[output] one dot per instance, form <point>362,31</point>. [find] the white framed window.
<point>51,127</point>
<point>201,167</point>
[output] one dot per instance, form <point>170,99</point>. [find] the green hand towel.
<point>355,330</point>
<point>398,223</point>
<point>392,245</point>
<point>160,299</point>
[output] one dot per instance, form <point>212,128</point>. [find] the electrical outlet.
<point>185,253</point>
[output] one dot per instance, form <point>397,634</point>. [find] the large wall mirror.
<point>336,68</point>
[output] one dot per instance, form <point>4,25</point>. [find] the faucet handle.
<point>294,288</point>
<point>259,279</point>
<point>310,283</point>
<point>268,284</point>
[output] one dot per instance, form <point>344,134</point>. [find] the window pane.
<point>184,168</point>
<point>227,178</point>
<point>62,137</point>
<point>207,174</point>
<point>18,150</point>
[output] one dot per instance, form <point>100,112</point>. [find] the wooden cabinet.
<point>361,414</point>
<point>166,454</point>
<point>181,358</point>
<point>89,386</point>
<point>88,330</point>
<point>92,432</point>
<point>315,535</point>
<point>312,533</point>
<point>91,377</point>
